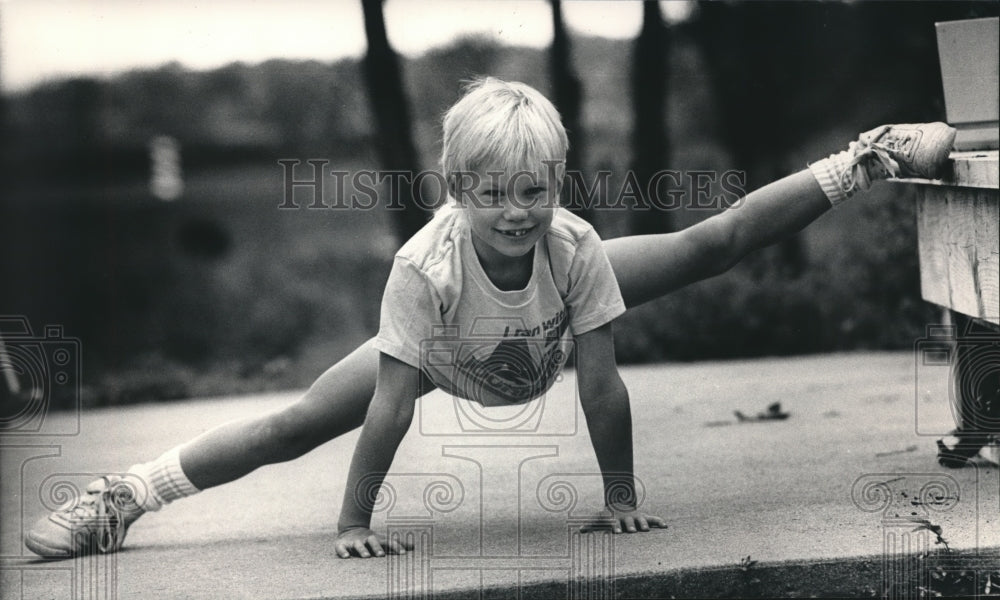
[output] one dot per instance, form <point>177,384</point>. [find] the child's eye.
<point>535,191</point>
<point>492,197</point>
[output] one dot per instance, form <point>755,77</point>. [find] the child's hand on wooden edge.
<point>363,542</point>
<point>623,521</point>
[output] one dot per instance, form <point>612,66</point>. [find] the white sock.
<point>165,481</point>
<point>991,451</point>
<point>830,174</point>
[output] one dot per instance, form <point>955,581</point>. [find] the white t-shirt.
<point>442,314</point>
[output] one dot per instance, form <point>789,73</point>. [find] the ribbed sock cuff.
<point>165,481</point>
<point>827,173</point>
<point>991,451</point>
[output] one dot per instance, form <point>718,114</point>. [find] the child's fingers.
<point>657,521</point>
<point>642,524</point>
<point>395,547</point>
<point>375,546</point>
<point>341,550</point>
<point>629,524</point>
<point>399,544</point>
<point>361,549</point>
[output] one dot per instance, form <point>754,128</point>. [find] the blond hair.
<point>501,124</point>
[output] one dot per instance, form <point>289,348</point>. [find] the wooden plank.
<point>988,253</point>
<point>958,236</point>
<point>976,169</point>
<point>932,248</point>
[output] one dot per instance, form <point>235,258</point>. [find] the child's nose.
<point>515,210</point>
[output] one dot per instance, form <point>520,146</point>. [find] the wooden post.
<point>958,229</point>
<point>958,234</point>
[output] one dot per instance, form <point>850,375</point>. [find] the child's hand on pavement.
<point>363,542</point>
<point>619,520</point>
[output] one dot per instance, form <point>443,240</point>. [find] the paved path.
<point>493,497</point>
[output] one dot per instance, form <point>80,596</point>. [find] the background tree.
<point>567,92</point>
<point>392,118</point>
<point>165,316</point>
<point>649,105</point>
<point>758,79</point>
<point>785,72</point>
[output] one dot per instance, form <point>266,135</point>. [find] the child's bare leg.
<point>335,404</point>
<point>650,266</point>
<point>646,267</point>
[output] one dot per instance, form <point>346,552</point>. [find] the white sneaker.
<point>95,522</point>
<point>906,150</point>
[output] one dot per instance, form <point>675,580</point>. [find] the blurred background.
<point>139,203</point>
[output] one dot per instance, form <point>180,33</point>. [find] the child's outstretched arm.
<point>389,416</point>
<point>606,406</point>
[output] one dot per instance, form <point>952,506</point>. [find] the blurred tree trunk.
<point>568,99</point>
<point>397,152</point>
<point>649,105</point>
<point>764,65</point>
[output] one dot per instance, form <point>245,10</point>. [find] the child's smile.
<point>515,233</point>
<point>507,215</point>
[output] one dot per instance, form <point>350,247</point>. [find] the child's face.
<point>509,212</point>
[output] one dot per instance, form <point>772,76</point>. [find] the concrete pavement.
<point>828,501</point>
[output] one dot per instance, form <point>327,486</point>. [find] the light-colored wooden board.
<point>988,253</point>
<point>975,169</point>
<point>959,234</point>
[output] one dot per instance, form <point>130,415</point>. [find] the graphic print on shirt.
<point>519,367</point>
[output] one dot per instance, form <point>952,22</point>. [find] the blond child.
<point>501,252</point>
